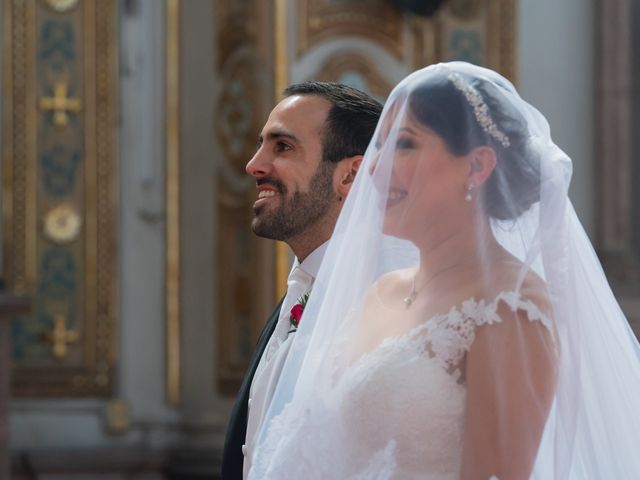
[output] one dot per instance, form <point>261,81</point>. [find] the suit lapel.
<point>233,459</point>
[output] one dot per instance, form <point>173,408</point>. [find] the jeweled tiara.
<point>480,109</point>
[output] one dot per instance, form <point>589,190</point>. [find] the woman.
<point>460,326</point>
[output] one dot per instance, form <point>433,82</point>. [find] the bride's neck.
<point>470,245</point>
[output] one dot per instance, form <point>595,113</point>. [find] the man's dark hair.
<point>350,122</point>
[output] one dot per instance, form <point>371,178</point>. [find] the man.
<point>308,154</point>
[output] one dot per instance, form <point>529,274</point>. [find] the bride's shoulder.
<point>519,293</point>
<point>396,276</point>
<point>508,274</point>
<point>397,280</point>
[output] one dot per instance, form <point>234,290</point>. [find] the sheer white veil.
<point>577,360</point>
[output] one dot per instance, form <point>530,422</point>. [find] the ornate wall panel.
<point>245,289</point>
<point>59,157</point>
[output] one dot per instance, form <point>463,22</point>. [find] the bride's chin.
<point>392,229</point>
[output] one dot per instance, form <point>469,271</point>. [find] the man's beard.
<point>299,211</point>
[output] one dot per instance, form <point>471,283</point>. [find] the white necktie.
<point>298,283</point>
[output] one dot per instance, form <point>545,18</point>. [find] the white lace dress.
<point>409,389</point>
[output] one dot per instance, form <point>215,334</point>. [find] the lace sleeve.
<point>452,335</point>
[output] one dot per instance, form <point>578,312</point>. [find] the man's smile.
<point>265,193</point>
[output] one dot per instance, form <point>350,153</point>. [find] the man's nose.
<point>259,165</point>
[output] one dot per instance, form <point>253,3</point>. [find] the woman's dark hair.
<point>514,185</point>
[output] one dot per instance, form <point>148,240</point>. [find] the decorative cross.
<point>61,337</point>
<point>60,104</point>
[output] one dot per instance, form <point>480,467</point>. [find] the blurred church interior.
<point>133,288</point>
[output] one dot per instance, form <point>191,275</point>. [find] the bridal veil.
<point>461,325</point>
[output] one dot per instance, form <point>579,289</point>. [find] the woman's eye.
<point>403,144</point>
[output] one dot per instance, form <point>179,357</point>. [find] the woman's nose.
<point>374,163</point>
<point>379,173</point>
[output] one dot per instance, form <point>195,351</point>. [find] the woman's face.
<point>427,184</point>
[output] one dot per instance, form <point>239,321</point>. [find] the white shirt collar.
<point>311,264</point>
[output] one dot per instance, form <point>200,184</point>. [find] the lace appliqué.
<point>447,337</point>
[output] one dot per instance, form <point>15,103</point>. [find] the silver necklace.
<point>412,294</point>
<point>409,299</point>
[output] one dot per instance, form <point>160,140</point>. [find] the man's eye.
<point>282,147</point>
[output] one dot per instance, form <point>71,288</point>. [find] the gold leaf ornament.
<point>61,5</point>
<point>62,224</point>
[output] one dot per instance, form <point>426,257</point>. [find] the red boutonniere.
<point>296,312</point>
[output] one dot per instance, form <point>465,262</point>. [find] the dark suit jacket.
<point>232,457</point>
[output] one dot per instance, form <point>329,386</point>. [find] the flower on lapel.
<point>296,312</point>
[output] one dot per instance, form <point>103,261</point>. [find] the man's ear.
<point>345,174</point>
<point>481,165</point>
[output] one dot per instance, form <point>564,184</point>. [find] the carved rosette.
<point>59,183</point>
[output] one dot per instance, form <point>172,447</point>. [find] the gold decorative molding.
<point>61,5</point>
<point>173,330</point>
<point>282,64</point>
<point>19,138</point>
<point>377,20</point>
<point>61,337</point>
<point>282,80</point>
<point>62,223</point>
<point>59,192</point>
<point>60,104</point>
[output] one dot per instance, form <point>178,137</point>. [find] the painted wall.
<point>556,67</point>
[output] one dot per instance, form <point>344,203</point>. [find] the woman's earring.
<point>468,196</point>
